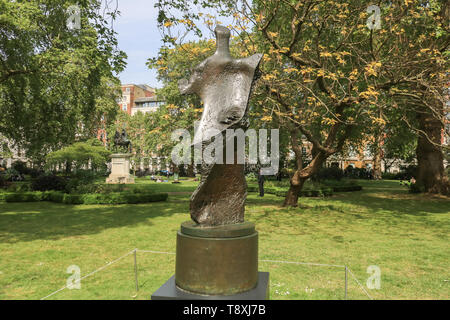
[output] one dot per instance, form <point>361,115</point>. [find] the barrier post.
<point>135,271</point>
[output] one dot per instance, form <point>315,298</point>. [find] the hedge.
<point>323,191</point>
<point>25,196</point>
<point>304,193</point>
<point>89,198</point>
<point>347,188</point>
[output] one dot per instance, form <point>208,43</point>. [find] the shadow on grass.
<point>50,221</point>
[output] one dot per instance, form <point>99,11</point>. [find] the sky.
<point>140,38</point>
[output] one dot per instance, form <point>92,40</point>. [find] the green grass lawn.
<point>405,235</point>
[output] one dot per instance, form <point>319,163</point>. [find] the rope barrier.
<point>150,251</point>
<point>360,285</point>
<point>172,253</point>
<point>305,263</point>
<point>89,274</point>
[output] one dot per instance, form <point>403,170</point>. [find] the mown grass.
<point>405,235</point>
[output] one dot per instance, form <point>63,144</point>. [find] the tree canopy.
<point>56,82</point>
<point>333,69</point>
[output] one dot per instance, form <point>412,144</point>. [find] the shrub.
<point>332,173</point>
<point>357,173</point>
<point>49,182</point>
<point>416,188</point>
<point>19,187</point>
<point>406,173</point>
<point>23,196</point>
<point>347,188</point>
<point>55,196</point>
<point>34,173</point>
<point>251,176</point>
<point>73,199</point>
<point>108,188</point>
<point>59,197</point>
<point>20,167</point>
<point>115,198</point>
<point>13,175</point>
<point>388,176</point>
<point>322,191</point>
<point>79,179</point>
<point>3,181</point>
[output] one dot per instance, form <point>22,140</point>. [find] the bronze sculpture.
<point>224,85</point>
<point>217,252</point>
<point>121,142</point>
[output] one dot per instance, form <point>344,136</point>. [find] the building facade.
<point>146,104</point>
<point>133,92</point>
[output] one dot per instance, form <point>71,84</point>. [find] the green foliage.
<point>80,154</point>
<point>3,181</point>
<point>306,192</point>
<point>55,83</point>
<point>25,196</point>
<point>90,198</point>
<point>105,188</point>
<point>324,188</point>
<point>332,172</point>
<point>49,181</point>
<point>20,167</point>
<point>416,187</point>
<point>19,187</point>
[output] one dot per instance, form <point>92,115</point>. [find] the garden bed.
<point>87,198</point>
<point>327,188</point>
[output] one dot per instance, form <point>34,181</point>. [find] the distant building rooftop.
<point>147,99</point>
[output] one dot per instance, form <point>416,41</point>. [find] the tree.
<point>55,83</point>
<point>328,70</point>
<point>89,153</point>
<point>180,112</point>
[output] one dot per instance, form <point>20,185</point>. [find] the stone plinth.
<point>120,169</point>
<point>219,262</point>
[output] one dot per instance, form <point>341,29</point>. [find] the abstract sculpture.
<point>224,85</point>
<point>217,252</point>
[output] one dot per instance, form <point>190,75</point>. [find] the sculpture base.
<point>120,169</point>
<point>169,291</point>
<point>119,179</point>
<point>220,260</point>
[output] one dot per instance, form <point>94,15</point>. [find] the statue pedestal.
<point>216,263</point>
<point>120,169</point>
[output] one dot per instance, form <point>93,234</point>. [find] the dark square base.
<point>169,291</point>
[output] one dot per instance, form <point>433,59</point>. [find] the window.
<point>127,89</point>
<point>124,107</point>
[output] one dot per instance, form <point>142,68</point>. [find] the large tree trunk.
<point>378,154</point>
<point>291,199</point>
<point>299,178</point>
<point>430,158</point>
<point>190,170</point>
<point>378,150</point>
<point>296,184</point>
